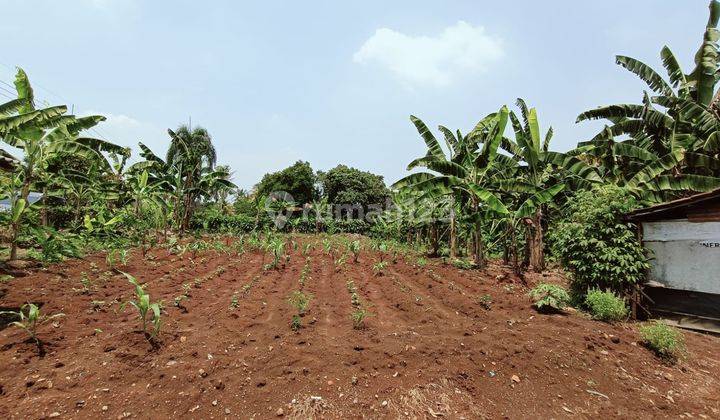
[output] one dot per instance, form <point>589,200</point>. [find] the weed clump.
<point>606,306</point>
<point>550,298</point>
<point>665,341</point>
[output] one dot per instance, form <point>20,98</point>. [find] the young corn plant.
<point>85,283</point>
<point>340,262</point>
<point>300,301</point>
<point>146,307</point>
<point>307,248</point>
<point>31,321</point>
<point>379,268</point>
<point>305,273</point>
<point>358,317</point>
<point>354,248</point>
<point>234,301</point>
<point>277,249</point>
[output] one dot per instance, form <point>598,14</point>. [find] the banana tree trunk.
<point>453,235</point>
<point>514,249</point>
<point>536,242</point>
<point>43,208</point>
<point>15,226</point>
<point>478,247</point>
<point>434,244</point>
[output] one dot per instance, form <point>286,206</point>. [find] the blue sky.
<point>334,82</point>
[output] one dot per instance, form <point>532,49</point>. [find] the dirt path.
<point>430,348</point>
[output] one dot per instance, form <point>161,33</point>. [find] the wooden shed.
<point>683,241</point>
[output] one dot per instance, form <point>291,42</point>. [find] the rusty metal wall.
<point>685,255</point>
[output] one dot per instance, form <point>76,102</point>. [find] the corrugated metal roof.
<point>658,210</point>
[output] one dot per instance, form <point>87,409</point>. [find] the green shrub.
<point>667,342</point>
<point>549,297</point>
<point>606,306</point>
<point>595,245</point>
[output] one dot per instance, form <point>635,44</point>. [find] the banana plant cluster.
<point>486,178</point>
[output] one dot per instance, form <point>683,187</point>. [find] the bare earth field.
<point>429,350</point>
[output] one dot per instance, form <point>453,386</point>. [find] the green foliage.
<point>300,301</point>
<point>379,267</point>
<point>350,186</point>
<point>606,306</point>
<point>295,323</point>
<point>354,247</point>
<point>667,342</point>
<point>595,245</point>
<point>55,246</point>
<point>298,180</point>
<point>358,317</point>
<point>145,307</point>
<point>485,301</point>
<point>549,297</point>
<point>30,321</point>
<point>463,264</point>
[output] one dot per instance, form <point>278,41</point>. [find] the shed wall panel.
<point>686,264</point>
<point>680,230</point>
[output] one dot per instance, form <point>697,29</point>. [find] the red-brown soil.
<point>429,350</point>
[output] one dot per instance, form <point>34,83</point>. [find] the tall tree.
<point>191,151</point>
<point>43,135</point>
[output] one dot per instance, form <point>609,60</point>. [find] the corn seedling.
<point>295,323</point>
<point>340,262</point>
<point>85,283</point>
<point>31,321</point>
<point>485,301</point>
<point>305,273</point>
<point>379,267</point>
<point>307,248</point>
<point>178,300</point>
<point>144,307</point>
<point>277,249</point>
<point>354,247</point>
<point>300,301</point>
<point>358,318</point>
<point>234,301</point>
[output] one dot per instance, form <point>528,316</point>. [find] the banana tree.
<point>467,174</point>
<point>535,182</point>
<point>42,135</point>
<point>673,145</point>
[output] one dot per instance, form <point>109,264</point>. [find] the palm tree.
<point>190,152</point>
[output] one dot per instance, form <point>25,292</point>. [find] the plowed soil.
<point>430,348</point>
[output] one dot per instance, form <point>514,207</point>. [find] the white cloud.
<point>127,131</point>
<point>428,60</point>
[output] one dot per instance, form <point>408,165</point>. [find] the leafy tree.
<point>298,180</point>
<point>595,244</point>
<point>350,186</point>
